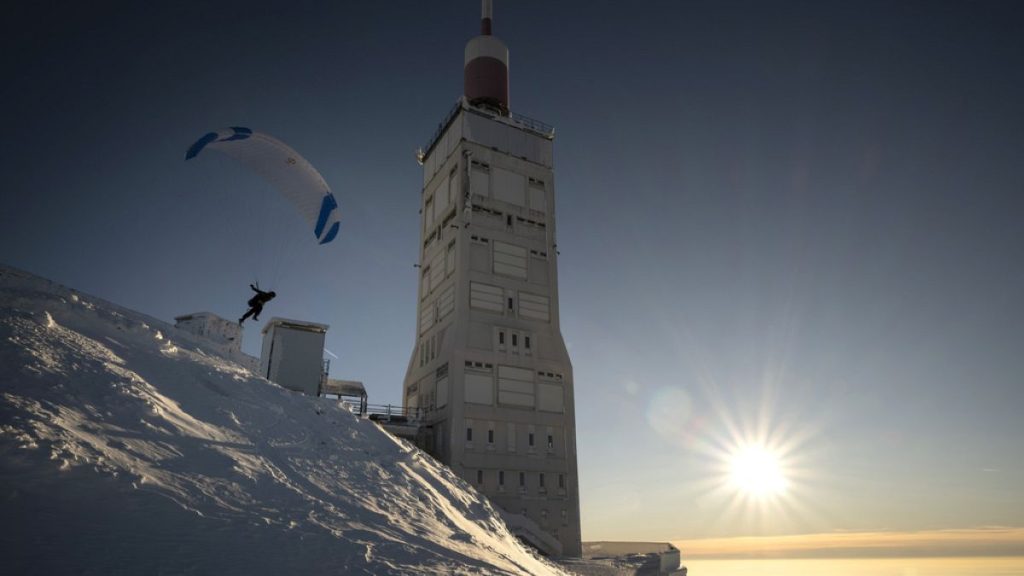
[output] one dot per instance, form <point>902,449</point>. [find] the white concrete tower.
<point>490,368</point>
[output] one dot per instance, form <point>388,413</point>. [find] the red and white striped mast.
<point>485,73</point>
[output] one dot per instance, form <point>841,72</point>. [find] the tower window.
<point>526,342</point>
<point>522,479</point>
<point>510,305</point>
<point>541,479</point>
<point>479,476</point>
<point>501,337</point>
<point>561,481</point>
<point>515,340</point>
<point>469,434</point>
<point>531,439</point>
<point>490,436</point>
<point>501,477</point>
<point>551,442</point>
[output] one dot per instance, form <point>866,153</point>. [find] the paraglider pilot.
<point>256,303</point>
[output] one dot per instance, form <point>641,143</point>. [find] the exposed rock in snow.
<point>129,447</point>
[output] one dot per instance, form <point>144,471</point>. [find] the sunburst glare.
<point>757,472</point>
<point>758,463</point>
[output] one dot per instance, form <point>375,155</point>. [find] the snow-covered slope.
<point>127,447</point>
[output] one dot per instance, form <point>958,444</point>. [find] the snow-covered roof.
<point>343,387</point>
<point>295,324</point>
<point>184,317</point>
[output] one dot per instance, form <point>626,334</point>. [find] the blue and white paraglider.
<point>288,172</point>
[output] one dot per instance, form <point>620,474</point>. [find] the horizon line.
<point>983,541</point>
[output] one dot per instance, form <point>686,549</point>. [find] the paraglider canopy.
<point>288,172</point>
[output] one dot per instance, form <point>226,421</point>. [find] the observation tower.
<point>489,370</point>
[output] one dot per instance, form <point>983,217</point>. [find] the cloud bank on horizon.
<point>980,541</point>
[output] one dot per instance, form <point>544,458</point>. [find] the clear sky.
<point>790,224</point>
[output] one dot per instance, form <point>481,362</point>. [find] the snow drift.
<point>128,447</point>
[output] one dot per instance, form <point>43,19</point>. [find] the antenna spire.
<point>485,68</point>
<point>486,15</point>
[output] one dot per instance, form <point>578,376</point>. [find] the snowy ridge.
<point>128,447</point>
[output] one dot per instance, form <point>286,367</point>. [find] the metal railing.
<point>546,130</point>
<point>440,129</point>
<point>532,124</point>
<point>398,414</point>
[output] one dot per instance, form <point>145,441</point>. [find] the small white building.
<point>292,354</point>
<point>632,558</point>
<point>226,333</point>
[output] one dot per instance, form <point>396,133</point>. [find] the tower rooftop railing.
<point>534,125</point>
<point>425,151</point>
<point>525,122</point>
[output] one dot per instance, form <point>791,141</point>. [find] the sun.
<point>756,471</point>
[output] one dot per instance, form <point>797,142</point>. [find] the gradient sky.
<point>793,221</point>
